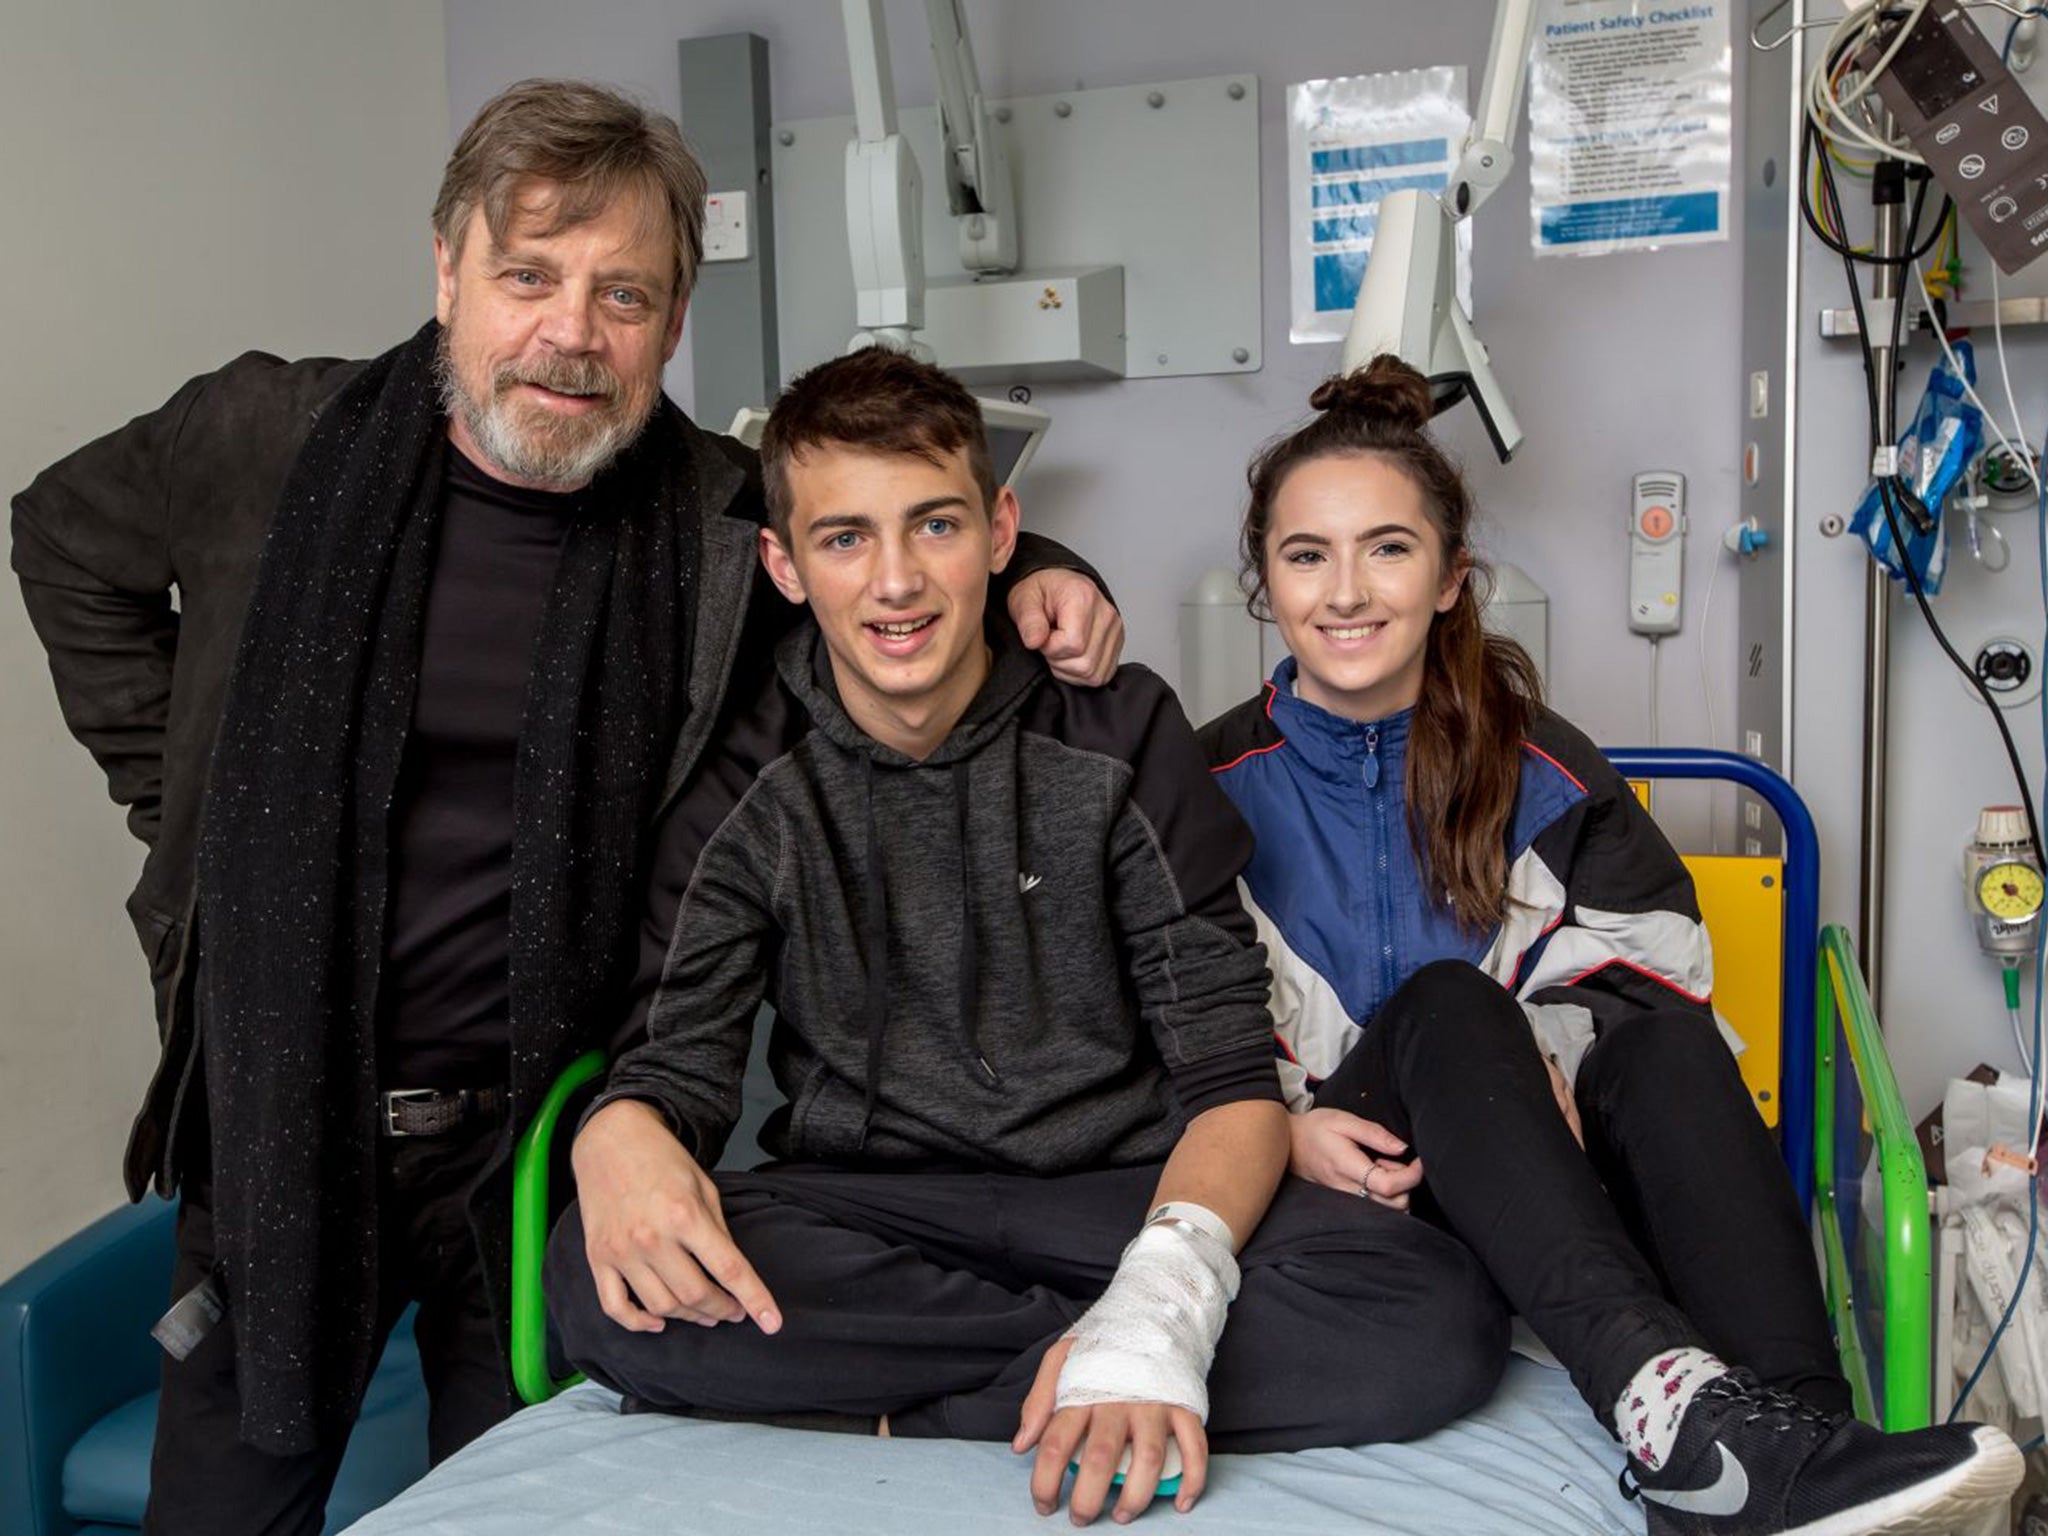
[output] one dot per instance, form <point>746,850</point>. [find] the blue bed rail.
<point>1802,927</point>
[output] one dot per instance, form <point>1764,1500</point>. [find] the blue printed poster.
<point>1351,141</point>
<point>1630,121</point>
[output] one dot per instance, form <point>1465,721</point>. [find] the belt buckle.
<point>394,1097</point>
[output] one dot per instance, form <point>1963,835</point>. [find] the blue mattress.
<point>1532,1462</point>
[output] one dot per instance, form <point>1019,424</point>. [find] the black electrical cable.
<point>1887,187</point>
<point>1808,138</point>
<point>1875,427</point>
<point>1810,135</point>
<point>1887,489</point>
<point>1884,432</point>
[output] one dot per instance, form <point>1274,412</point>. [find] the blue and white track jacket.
<point>1601,913</point>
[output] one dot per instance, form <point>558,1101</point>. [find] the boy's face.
<point>894,556</point>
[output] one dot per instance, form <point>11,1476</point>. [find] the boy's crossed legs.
<point>932,1297</point>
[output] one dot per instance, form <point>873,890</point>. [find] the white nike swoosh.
<point>1725,1495</point>
<point>1028,882</point>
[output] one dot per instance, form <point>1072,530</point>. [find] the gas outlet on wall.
<point>2010,671</point>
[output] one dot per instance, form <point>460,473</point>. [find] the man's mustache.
<point>564,375</point>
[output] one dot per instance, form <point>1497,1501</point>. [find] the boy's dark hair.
<point>878,400</point>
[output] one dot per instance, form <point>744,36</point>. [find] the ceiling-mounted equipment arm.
<point>977,164</point>
<point>1489,152</point>
<point>884,193</point>
<point>1408,301</point>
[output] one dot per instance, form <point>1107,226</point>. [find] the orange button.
<point>1656,522</point>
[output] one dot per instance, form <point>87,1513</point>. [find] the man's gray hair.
<point>589,145</point>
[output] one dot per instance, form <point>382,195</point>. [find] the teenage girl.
<point>1491,999</point>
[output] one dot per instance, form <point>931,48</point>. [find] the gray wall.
<point>1616,364</point>
<point>183,183</point>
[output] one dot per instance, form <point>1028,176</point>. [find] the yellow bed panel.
<point>1742,901</point>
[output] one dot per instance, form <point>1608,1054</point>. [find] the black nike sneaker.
<point>1752,1462</point>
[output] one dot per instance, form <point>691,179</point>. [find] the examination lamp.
<point>1408,302</point>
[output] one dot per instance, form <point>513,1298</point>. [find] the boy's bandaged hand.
<point>1152,1334</point>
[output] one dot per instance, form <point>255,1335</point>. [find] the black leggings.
<point>1677,1225</point>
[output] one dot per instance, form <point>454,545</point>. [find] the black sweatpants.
<point>205,1481</point>
<point>1677,1225</point>
<point>931,1297</point>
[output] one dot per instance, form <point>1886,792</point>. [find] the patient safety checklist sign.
<point>1630,121</point>
<point>1350,143</point>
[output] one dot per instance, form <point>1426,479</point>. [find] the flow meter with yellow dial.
<point>2011,891</point>
<point>2003,879</point>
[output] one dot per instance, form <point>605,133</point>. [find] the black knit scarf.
<point>293,853</point>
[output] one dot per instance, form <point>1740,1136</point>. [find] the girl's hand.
<point>1336,1148</point>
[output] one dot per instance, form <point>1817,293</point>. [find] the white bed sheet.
<point>1532,1462</point>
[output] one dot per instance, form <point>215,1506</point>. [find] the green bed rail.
<point>530,1235</point>
<point>1892,1329</point>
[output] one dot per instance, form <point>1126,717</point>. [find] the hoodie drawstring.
<point>970,955</point>
<point>875,951</point>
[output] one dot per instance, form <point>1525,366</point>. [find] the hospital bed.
<point>1533,1460</point>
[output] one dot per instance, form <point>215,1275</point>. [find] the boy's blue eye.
<point>938,525</point>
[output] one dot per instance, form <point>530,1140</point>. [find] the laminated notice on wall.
<point>1350,142</point>
<point>1630,107</point>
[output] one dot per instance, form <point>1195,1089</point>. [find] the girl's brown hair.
<point>1480,691</point>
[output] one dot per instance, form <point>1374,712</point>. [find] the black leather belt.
<point>436,1111</point>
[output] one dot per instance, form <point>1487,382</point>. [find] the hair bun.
<point>1385,389</point>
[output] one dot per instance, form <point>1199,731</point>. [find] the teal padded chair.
<point>78,1388</point>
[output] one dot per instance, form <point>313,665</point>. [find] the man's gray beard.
<point>560,455</point>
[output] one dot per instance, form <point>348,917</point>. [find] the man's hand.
<point>1567,1105</point>
<point>1108,1428</point>
<point>1065,616</point>
<point>1335,1147</point>
<point>653,1229</point>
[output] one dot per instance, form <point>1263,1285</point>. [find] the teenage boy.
<point>1018,1007</point>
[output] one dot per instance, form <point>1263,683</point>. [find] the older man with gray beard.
<point>451,627</point>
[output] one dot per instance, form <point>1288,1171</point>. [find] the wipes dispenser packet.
<point>1945,435</point>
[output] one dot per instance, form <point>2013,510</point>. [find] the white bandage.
<point>1150,1336</point>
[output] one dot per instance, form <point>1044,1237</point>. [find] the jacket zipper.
<point>1370,772</point>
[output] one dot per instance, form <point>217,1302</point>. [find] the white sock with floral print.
<point>1656,1399</point>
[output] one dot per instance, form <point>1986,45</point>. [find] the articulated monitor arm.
<point>884,193</point>
<point>977,163</point>
<point>1490,144</point>
<point>1408,303</point>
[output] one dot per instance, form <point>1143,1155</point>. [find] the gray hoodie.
<point>1025,952</point>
